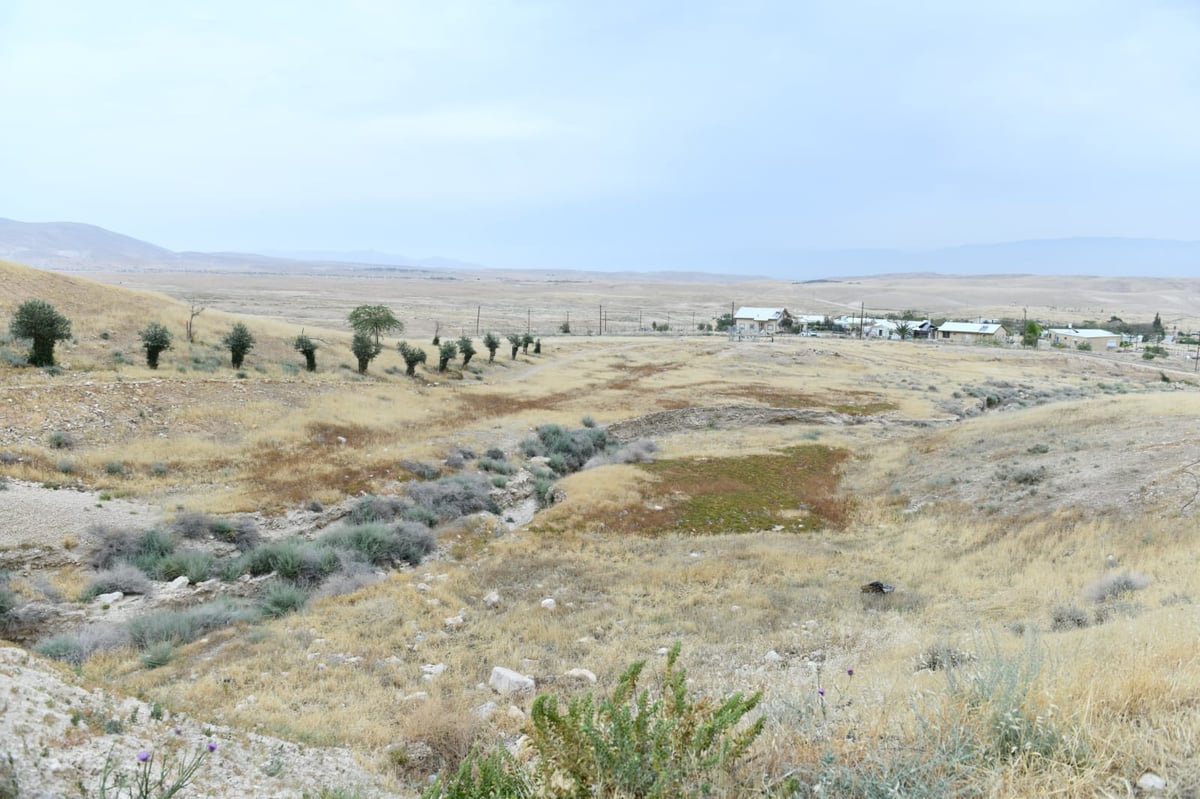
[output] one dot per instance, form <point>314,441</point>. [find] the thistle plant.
<point>174,774</point>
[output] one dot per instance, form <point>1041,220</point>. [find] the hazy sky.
<point>609,134</point>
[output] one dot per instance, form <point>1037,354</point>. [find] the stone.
<point>417,696</point>
<point>108,599</point>
<point>431,670</point>
<point>581,674</point>
<point>773,657</point>
<point>507,681</point>
<point>181,581</point>
<point>1150,782</point>
<point>453,622</point>
<point>486,710</point>
<point>549,604</point>
<point>492,600</point>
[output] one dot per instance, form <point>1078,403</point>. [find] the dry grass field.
<point>1036,512</point>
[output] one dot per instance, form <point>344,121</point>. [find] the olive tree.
<point>308,347</point>
<point>375,320</point>
<point>38,321</point>
<point>155,338</point>
<point>446,353</point>
<point>365,349</point>
<point>515,340</point>
<point>526,340</point>
<point>466,348</point>
<point>412,356</point>
<point>492,342</point>
<point>239,341</point>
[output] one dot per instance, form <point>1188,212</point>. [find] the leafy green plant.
<point>640,745</point>
<point>492,343</point>
<point>38,321</point>
<point>305,345</point>
<point>155,339</point>
<point>238,341</point>
<point>494,775</point>
<point>280,598</point>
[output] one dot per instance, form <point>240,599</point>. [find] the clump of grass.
<point>75,648</point>
<point>291,559</point>
<point>115,469</point>
<point>1113,586</point>
<point>567,450</point>
<point>195,565</point>
<point>123,577</point>
<point>242,532</point>
<point>181,626</point>
<point>60,439</point>
<point>1069,617</point>
<point>158,655</point>
<point>425,471</point>
<point>496,466</point>
<point>279,598</point>
<point>638,451</point>
<point>382,545</point>
<point>376,509</point>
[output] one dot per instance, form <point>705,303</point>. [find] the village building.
<point>971,332</point>
<point>1092,337</point>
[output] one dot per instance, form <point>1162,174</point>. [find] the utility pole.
<point>601,320</point>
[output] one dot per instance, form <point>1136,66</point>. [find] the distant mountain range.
<point>76,247</point>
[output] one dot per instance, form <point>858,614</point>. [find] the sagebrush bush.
<point>425,471</point>
<point>279,598</point>
<point>1112,586</point>
<point>181,626</point>
<point>376,509</point>
<point>496,466</point>
<point>291,559</point>
<point>158,655</point>
<point>195,565</point>
<point>75,648</point>
<point>123,577</point>
<point>242,532</point>
<point>1069,617</point>
<point>151,547</point>
<point>382,545</point>
<point>568,450</point>
<point>59,439</point>
<point>192,524</point>
<point>452,497</point>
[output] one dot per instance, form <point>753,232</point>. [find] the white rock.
<point>108,599</point>
<point>418,696</point>
<point>486,710</point>
<point>662,650</point>
<point>181,581</point>
<point>1149,781</point>
<point>492,600</point>
<point>549,604</point>
<point>453,622</point>
<point>431,670</point>
<point>772,657</point>
<point>422,587</point>
<point>581,674</point>
<point>507,681</point>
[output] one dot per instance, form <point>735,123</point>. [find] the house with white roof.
<point>971,332</point>
<point>754,320</point>
<point>1092,337</point>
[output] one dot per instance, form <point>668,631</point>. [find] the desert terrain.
<point>1033,512</point>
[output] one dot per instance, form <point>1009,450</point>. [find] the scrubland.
<point>1035,512</point>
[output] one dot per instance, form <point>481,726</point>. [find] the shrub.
<point>115,545</point>
<point>61,440</point>
<point>38,321</point>
<point>155,339</point>
<point>588,421</point>
<point>637,744</point>
<point>376,509</point>
<point>493,774</point>
<point>496,466</point>
<point>151,547</point>
<point>365,349</point>
<point>308,347</point>
<point>238,341</point>
<point>123,577</point>
<point>420,515</point>
<point>291,559</point>
<point>158,655</point>
<point>426,471</point>
<point>454,496</point>
<point>196,566</point>
<point>242,532</point>
<point>192,524</point>
<point>350,578</point>
<point>75,648</point>
<point>543,491</point>
<point>1069,617</point>
<point>181,626</point>
<point>638,451</point>
<point>1112,586</point>
<point>495,453</point>
<point>66,466</point>
<point>115,468</point>
<point>568,450</point>
<point>159,469</point>
<point>499,481</point>
<point>280,598</point>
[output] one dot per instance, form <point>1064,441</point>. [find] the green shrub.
<point>376,509</point>
<point>291,559</point>
<point>115,468</point>
<point>452,497</point>
<point>196,566</point>
<point>60,440</point>
<point>66,648</point>
<point>123,577</point>
<point>66,466</point>
<point>496,774</point>
<point>637,744</point>
<point>496,454</point>
<point>496,466</point>
<point>151,548</point>
<point>499,481</point>
<point>181,626</point>
<point>280,598</point>
<point>158,655</point>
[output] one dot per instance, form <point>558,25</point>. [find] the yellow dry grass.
<point>985,521</point>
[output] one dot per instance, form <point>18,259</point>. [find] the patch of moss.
<point>793,490</point>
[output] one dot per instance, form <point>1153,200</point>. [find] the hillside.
<point>1033,510</point>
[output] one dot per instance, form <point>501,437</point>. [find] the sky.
<point>627,134</point>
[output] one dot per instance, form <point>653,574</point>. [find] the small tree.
<point>194,310</point>
<point>565,328</point>
<point>904,329</point>
<point>1031,333</point>
<point>492,342</point>
<point>515,340</point>
<point>365,349</point>
<point>375,320</point>
<point>412,356</point>
<point>39,321</point>
<point>1160,332</point>
<point>239,341</point>
<point>447,352</point>
<point>155,338</point>
<point>306,345</point>
<point>724,322</point>
<point>526,340</point>
<point>466,348</point>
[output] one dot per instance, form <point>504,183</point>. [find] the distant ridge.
<point>76,247</point>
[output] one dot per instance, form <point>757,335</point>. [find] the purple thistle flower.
<point>850,672</point>
<point>179,730</point>
<point>212,747</point>
<point>143,756</point>
<point>821,691</point>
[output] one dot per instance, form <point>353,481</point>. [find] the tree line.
<point>40,323</point>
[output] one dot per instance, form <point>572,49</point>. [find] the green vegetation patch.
<point>795,490</point>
